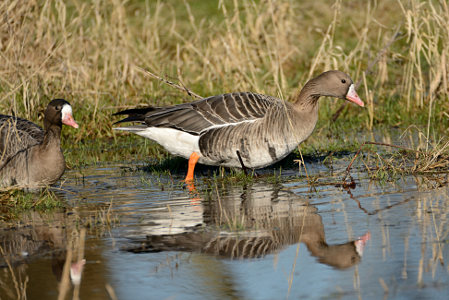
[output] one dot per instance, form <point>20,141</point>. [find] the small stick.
<point>170,83</point>
<point>376,211</point>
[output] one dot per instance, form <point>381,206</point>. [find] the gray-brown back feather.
<point>198,116</point>
<point>17,135</point>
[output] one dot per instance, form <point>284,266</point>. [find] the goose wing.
<point>198,116</point>
<point>16,135</point>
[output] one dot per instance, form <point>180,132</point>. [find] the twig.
<point>369,69</point>
<point>170,83</point>
<point>19,287</point>
<point>376,211</point>
<point>65,279</point>
<point>80,260</point>
<point>111,291</point>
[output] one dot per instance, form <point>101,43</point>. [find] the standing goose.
<point>31,157</point>
<point>220,130</point>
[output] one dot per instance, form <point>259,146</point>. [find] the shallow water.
<point>149,237</point>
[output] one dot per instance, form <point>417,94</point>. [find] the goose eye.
<point>58,107</point>
<point>343,81</point>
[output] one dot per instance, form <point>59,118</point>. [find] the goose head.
<point>337,84</point>
<point>59,112</point>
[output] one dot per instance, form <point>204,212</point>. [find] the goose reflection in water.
<point>40,235</point>
<point>251,222</point>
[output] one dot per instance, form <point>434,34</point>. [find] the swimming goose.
<point>257,129</point>
<point>31,157</point>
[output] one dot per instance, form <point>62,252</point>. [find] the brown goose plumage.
<point>262,129</point>
<point>31,157</point>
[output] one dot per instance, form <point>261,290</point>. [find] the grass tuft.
<point>14,202</point>
<point>93,53</point>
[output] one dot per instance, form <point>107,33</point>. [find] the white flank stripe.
<point>228,124</point>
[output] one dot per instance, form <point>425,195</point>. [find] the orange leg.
<point>192,162</point>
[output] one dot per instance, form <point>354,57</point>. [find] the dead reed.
<point>92,53</point>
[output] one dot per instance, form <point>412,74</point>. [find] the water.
<point>149,237</point>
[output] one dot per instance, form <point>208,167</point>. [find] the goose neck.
<point>308,97</point>
<point>52,136</point>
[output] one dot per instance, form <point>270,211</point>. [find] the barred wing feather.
<point>201,115</point>
<point>16,135</point>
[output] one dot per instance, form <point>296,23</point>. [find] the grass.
<point>14,202</point>
<point>102,220</point>
<point>92,54</point>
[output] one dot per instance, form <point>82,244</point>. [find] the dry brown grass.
<point>91,53</point>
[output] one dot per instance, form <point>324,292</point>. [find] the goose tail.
<point>134,114</point>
